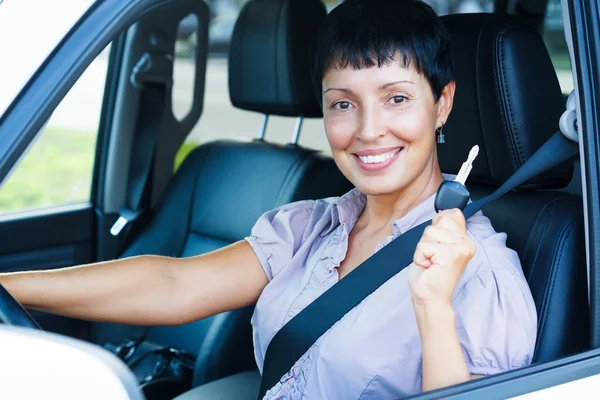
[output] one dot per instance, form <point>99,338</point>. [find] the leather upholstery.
<point>270,73</point>
<point>219,192</point>
<point>508,99</point>
<point>223,187</point>
<point>546,230</point>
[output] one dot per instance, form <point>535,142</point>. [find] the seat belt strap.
<point>302,331</point>
<point>153,76</point>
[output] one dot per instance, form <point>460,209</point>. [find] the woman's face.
<point>380,123</point>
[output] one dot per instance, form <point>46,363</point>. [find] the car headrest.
<point>508,100</point>
<point>270,57</point>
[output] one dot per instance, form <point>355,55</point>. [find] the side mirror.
<point>36,364</point>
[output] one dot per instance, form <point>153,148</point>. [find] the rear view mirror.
<point>42,365</point>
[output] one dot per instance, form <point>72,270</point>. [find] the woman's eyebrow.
<point>387,85</point>
<point>382,87</point>
<point>340,89</point>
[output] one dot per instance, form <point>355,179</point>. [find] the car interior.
<point>508,101</point>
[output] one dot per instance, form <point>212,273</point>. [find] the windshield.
<point>29,31</point>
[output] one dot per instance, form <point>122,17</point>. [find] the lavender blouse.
<point>374,351</point>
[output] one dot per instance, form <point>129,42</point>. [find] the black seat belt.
<point>302,331</point>
<point>152,75</point>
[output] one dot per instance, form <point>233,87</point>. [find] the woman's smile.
<point>377,159</point>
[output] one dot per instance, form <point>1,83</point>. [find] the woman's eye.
<point>397,99</point>
<point>342,105</point>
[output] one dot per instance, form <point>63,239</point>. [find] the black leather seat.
<point>508,101</point>
<point>223,187</point>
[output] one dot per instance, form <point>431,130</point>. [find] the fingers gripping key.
<point>454,194</point>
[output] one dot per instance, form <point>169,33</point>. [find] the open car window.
<point>32,47</point>
<point>58,167</point>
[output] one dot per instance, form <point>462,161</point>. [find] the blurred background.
<point>58,167</point>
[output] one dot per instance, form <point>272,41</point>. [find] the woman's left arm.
<point>440,258</point>
<point>443,360</point>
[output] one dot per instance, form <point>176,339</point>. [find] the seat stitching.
<point>542,235</point>
<point>192,199</point>
<point>564,237</point>
<point>536,248</point>
<point>296,166</point>
<point>506,102</point>
<point>481,124</point>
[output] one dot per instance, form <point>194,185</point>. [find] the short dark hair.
<point>367,33</point>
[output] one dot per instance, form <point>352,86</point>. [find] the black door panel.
<point>60,237</point>
<point>47,258</point>
<point>60,234</point>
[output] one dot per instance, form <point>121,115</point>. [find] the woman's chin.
<point>378,188</point>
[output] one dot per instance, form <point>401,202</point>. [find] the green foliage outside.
<point>182,153</point>
<point>57,170</point>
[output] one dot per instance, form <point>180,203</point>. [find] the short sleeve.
<point>278,234</point>
<point>496,321</point>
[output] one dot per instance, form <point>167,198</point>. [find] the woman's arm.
<point>440,258</point>
<point>145,290</point>
<point>443,360</point>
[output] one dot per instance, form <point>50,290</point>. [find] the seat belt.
<point>302,331</point>
<point>152,75</point>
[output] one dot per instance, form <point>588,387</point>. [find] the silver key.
<point>463,174</point>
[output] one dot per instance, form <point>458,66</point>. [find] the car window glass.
<point>57,168</point>
<point>554,37</point>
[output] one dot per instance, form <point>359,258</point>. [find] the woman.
<point>463,308</point>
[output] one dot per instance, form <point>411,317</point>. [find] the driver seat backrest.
<point>223,187</point>
<point>509,102</point>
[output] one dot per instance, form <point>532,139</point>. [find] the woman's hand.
<point>440,258</point>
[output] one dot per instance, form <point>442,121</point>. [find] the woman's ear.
<point>446,101</point>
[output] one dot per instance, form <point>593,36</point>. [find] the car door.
<point>63,155</point>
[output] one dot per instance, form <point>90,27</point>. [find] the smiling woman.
<point>462,309</point>
<point>385,71</point>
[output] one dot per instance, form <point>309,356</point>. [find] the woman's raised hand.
<point>440,258</point>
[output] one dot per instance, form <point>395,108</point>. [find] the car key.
<point>454,194</point>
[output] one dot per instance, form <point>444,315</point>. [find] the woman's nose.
<point>372,126</point>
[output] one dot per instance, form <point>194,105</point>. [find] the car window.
<point>220,120</point>
<point>57,168</point>
<point>444,7</point>
<point>23,43</point>
<point>554,37</point>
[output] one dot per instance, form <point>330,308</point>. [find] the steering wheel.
<point>13,313</point>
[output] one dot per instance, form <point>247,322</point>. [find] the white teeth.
<point>378,158</point>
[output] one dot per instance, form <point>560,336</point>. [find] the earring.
<point>440,134</point>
